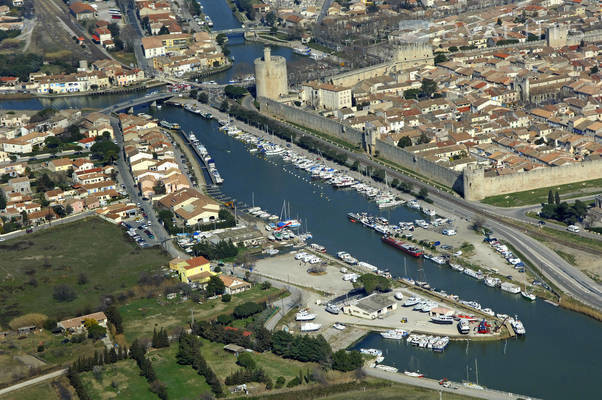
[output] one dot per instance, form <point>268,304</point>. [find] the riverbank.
<point>121,90</point>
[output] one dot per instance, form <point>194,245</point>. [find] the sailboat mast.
<point>476,366</point>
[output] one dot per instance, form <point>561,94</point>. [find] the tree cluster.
<point>78,385</point>
<point>220,250</point>
<point>247,309</point>
<point>218,333</point>
<point>85,364</point>
<point>114,317</point>
<point>137,352</point>
<point>372,282</point>
<point>347,361</point>
<point>235,92</point>
<point>301,348</point>
<point>189,354</point>
<point>562,211</point>
<point>160,338</point>
<point>215,286</point>
<point>105,150</point>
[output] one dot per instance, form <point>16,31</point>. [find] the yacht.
<point>396,334</point>
<point>488,311</point>
<point>443,319</point>
<point>398,296</point>
<point>339,326</point>
<point>510,288</point>
<point>304,316</point>
<point>310,327</point>
<point>412,301</point>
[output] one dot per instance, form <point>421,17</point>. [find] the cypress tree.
<point>557,198</point>
<point>550,197</point>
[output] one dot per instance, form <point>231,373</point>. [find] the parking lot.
<point>139,229</point>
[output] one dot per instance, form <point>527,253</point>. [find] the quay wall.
<point>422,166</point>
<point>309,120</point>
<point>477,186</point>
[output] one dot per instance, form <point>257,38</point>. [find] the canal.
<point>558,358</point>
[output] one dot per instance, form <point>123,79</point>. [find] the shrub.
<point>226,298</point>
<point>246,361</point>
<point>280,381</point>
<point>293,382</point>
<point>64,293</point>
<point>28,320</point>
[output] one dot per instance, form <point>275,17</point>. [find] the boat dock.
<point>205,159</point>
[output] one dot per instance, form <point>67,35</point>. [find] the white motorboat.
<point>492,282</point>
<point>463,326</point>
<point>372,352</point>
<point>412,301</point>
<point>518,326</point>
<point>339,326</point>
<point>386,368</point>
<point>488,311</point>
<point>396,334</point>
<point>510,288</point>
<point>442,319</point>
<point>527,295</point>
<point>310,327</point>
<point>417,374</point>
<point>304,316</point>
<point>456,267</point>
<point>398,296</point>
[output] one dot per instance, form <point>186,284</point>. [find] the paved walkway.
<point>432,384</point>
<point>33,381</point>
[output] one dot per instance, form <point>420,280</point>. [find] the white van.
<point>573,228</point>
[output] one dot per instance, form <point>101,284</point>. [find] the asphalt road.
<point>33,381</point>
<point>161,235</point>
<point>434,385</point>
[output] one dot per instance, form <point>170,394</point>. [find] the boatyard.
<point>320,290</point>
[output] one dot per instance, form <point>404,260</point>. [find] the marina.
<point>501,363</point>
<point>273,176</point>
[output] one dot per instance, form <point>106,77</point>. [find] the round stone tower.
<point>270,76</point>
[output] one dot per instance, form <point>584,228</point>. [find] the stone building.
<point>271,76</point>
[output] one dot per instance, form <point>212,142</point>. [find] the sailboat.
<point>285,221</point>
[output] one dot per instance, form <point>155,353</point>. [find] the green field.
<point>393,392</point>
<point>121,380</point>
<point>141,316</point>
<point>538,196</point>
<point>43,390</point>
<point>33,265</point>
<point>224,363</point>
<point>182,381</point>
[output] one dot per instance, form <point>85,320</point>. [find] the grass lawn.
<point>124,56</point>
<point>32,266</point>
<point>141,316</point>
<point>538,196</point>
<point>44,390</point>
<point>55,352</point>
<point>182,381</point>
<point>121,380</point>
<point>224,363</point>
